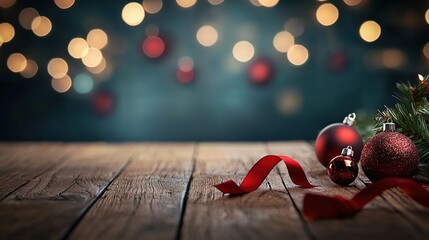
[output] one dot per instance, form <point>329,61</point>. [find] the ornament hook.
<point>350,119</point>
<point>389,126</point>
<point>348,151</point>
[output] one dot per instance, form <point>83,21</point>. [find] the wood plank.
<point>15,170</point>
<point>267,213</point>
<point>378,220</point>
<point>145,201</point>
<point>49,205</point>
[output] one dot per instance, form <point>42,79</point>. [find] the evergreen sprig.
<point>411,116</point>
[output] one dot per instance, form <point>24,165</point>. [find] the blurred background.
<point>203,70</point>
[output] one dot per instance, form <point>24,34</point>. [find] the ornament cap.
<point>348,151</point>
<point>350,119</point>
<point>389,126</point>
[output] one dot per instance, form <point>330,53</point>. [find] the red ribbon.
<point>260,171</point>
<point>320,206</point>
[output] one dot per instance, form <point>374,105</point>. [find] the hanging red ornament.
<point>389,154</point>
<point>343,169</point>
<point>333,138</point>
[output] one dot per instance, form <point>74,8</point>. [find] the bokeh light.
<point>185,63</point>
<point>370,31</point>
<point>78,48</point>
<point>352,2</point>
<point>103,102</point>
<point>7,32</point>
<point>16,62</point>
<point>215,2</point>
<point>93,57</point>
<point>99,68</point>
<point>393,58</point>
<point>283,41</point>
<point>26,17</point>
<point>185,70</point>
<point>243,51</point>
<point>7,3</point>
<point>153,46</point>
<point>41,26</point>
<point>289,101</point>
<point>133,13</point>
<point>83,83</point>
<point>427,16</point>
<point>327,14</point>
<point>297,55</point>
<point>97,38</point>
<point>58,68</point>
<point>426,50</point>
<point>151,30</point>
<point>260,71</point>
<point>295,26</point>
<point>255,3</point>
<point>207,35</point>
<point>64,4</point>
<point>30,69</point>
<point>268,3</point>
<point>61,85</point>
<point>186,3</point>
<point>152,6</point>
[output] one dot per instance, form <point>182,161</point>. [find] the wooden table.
<point>165,191</point>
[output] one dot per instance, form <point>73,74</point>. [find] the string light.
<point>58,68</point>
<point>30,69</point>
<point>215,2</point>
<point>93,58</point>
<point>421,78</point>
<point>7,32</point>
<point>186,3</point>
<point>16,62</point>
<point>78,48</point>
<point>243,51</point>
<point>370,31</point>
<point>7,3</point>
<point>327,14</point>
<point>41,26</point>
<point>283,41</point>
<point>352,2</point>
<point>268,3</point>
<point>26,17</point>
<point>61,85</point>
<point>297,55</point>
<point>83,83</point>
<point>133,13</point>
<point>207,36</point>
<point>97,38</point>
<point>152,6</point>
<point>64,4</point>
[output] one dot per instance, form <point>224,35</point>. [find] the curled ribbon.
<point>320,206</point>
<point>260,171</point>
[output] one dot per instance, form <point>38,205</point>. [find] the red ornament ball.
<point>260,71</point>
<point>333,138</point>
<point>343,170</point>
<point>389,154</point>
<point>153,46</point>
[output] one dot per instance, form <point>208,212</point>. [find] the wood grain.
<point>145,201</point>
<point>378,220</point>
<point>50,204</point>
<point>267,213</point>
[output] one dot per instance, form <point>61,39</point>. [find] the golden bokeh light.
<point>327,14</point>
<point>133,13</point>
<point>151,30</point>
<point>61,85</point>
<point>97,38</point>
<point>64,4</point>
<point>99,68</point>
<point>41,26</point>
<point>255,3</point>
<point>215,2</point>
<point>427,16</point>
<point>185,64</point>
<point>392,58</point>
<point>283,41</point>
<point>426,50</point>
<point>243,51</point>
<point>16,62</point>
<point>7,3</point>
<point>1,41</point>
<point>93,58</point>
<point>295,26</point>
<point>152,6</point>
<point>370,31</point>
<point>186,3</point>
<point>78,48</point>
<point>30,70</point>
<point>352,2</point>
<point>58,68</point>
<point>297,55</point>
<point>207,36</point>
<point>7,32</point>
<point>289,101</point>
<point>26,17</point>
<point>268,3</point>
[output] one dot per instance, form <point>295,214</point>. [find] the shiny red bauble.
<point>333,138</point>
<point>343,170</point>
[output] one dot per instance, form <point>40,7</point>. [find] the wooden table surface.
<point>165,191</point>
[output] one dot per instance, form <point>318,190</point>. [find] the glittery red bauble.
<point>343,170</point>
<point>333,138</point>
<point>389,154</point>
